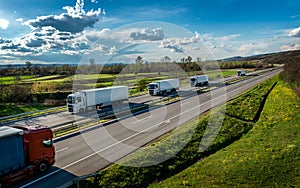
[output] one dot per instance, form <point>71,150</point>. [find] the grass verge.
<point>268,156</point>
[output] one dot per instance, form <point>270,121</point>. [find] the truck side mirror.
<point>47,143</point>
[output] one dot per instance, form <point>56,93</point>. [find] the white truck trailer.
<point>163,87</point>
<point>199,80</point>
<point>90,99</point>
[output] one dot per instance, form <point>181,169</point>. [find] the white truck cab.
<point>153,88</point>
<point>76,102</point>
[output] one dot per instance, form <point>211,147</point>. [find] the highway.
<point>94,148</point>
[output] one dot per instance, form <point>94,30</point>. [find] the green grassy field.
<point>7,80</point>
<point>268,156</point>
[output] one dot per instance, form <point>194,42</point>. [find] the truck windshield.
<point>71,100</point>
<point>151,86</point>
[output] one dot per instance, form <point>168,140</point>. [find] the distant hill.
<point>279,57</point>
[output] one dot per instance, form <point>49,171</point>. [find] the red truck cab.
<point>35,152</point>
<point>38,146</point>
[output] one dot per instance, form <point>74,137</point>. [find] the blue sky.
<point>74,31</point>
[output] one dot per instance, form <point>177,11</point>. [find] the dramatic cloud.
<point>74,21</point>
<point>295,32</point>
<point>4,41</point>
<point>4,23</point>
<point>148,34</point>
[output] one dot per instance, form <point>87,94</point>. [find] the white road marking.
<point>141,120</point>
<point>167,121</point>
<point>66,148</point>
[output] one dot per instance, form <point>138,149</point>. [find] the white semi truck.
<point>163,87</point>
<point>198,81</point>
<point>90,99</point>
<point>241,72</point>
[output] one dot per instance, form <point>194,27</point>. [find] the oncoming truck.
<point>163,87</point>
<point>86,100</point>
<point>199,80</point>
<point>25,151</point>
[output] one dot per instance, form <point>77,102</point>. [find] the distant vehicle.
<point>241,73</point>
<point>25,151</point>
<point>163,87</point>
<point>86,100</point>
<point>198,81</point>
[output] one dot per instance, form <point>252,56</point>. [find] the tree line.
<point>186,64</point>
<point>291,73</point>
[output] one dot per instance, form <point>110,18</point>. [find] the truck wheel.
<point>43,166</point>
<point>81,110</point>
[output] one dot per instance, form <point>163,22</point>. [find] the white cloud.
<point>176,44</point>
<point>228,37</point>
<point>19,20</point>
<point>290,47</point>
<point>295,16</point>
<point>295,32</point>
<point>4,23</point>
<point>253,48</point>
<point>112,51</point>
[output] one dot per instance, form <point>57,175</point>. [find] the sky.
<point>75,31</point>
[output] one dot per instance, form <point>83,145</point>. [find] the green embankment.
<point>268,156</point>
<point>238,121</point>
<point>11,109</point>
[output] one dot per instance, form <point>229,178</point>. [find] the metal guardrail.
<point>28,113</point>
<point>13,118</point>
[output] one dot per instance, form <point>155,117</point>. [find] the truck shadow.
<point>54,177</point>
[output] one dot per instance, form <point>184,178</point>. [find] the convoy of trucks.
<point>25,151</point>
<point>199,80</point>
<point>86,100</point>
<point>163,87</point>
<point>28,150</point>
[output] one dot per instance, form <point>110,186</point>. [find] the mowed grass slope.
<point>268,156</point>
